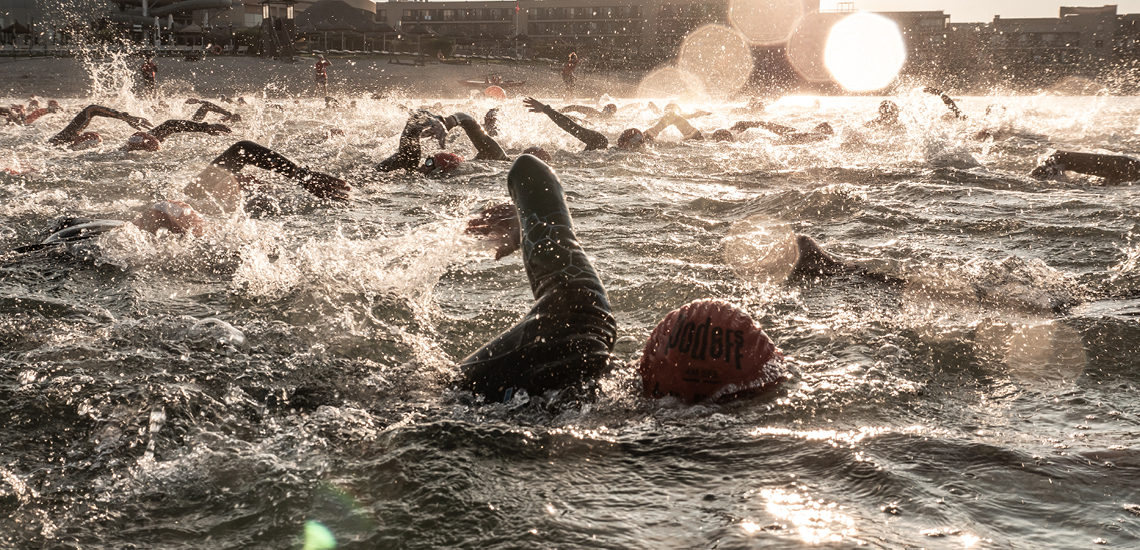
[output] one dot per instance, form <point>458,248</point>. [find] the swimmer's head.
<point>610,109</point>
<point>241,101</point>
<point>86,140</point>
<point>672,109</point>
<point>888,109</point>
<point>142,141</point>
<point>632,138</point>
<point>824,128</point>
<point>53,106</point>
<point>232,118</point>
<point>709,349</point>
<point>33,102</point>
<point>174,216</point>
<point>722,135</point>
<point>538,152</point>
<point>440,163</point>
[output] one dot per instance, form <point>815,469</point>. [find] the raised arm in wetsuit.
<point>152,140</point>
<point>207,108</point>
<point>567,338</point>
<point>955,113</point>
<point>594,140</point>
<point>419,124</point>
<point>71,133</point>
<point>488,148</point>
<point>219,190</point>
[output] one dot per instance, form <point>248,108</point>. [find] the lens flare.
<point>765,22</point>
<point>718,56</point>
<point>805,47</point>
<point>865,52</point>
<point>669,82</point>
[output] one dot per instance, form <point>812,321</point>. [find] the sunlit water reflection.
<point>293,366</point>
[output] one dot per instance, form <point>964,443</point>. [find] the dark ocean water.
<point>294,365</point>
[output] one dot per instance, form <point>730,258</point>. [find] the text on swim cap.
<point>707,341</point>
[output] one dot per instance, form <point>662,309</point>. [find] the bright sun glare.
<point>864,52</point>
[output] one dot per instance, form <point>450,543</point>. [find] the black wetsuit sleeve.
<point>245,153</point>
<point>590,111</point>
<point>593,140</point>
<point>488,148</point>
<point>81,120</point>
<point>568,336</point>
<point>407,157</point>
<point>166,129</point>
<point>208,108</point>
<point>1115,168</point>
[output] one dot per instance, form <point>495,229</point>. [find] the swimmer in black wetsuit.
<point>567,338</point>
<point>1113,168</point>
<point>71,134</point>
<point>788,135</point>
<point>631,138</point>
<point>420,124</point>
<point>206,108</point>
<point>217,189</point>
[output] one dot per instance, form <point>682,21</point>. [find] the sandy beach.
<point>359,76</point>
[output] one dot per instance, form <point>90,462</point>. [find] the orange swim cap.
<point>495,92</point>
<point>709,349</point>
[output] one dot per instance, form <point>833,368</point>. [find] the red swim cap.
<point>142,141</point>
<point>709,349</point>
<point>444,162</point>
<point>538,152</point>
<point>86,140</point>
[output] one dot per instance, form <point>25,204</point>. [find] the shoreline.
<point>349,77</point>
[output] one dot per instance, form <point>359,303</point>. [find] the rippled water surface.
<point>294,365</point>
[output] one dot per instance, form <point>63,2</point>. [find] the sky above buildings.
<point>974,11</point>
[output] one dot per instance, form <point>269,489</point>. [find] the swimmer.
<point>13,114</point>
<point>217,189</point>
<point>52,107</point>
<point>631,138</point>
<point>607,112</point>
<point>420,124</point>
<point>1113,168</point>
<point>71,134</point>
<point>207,108</point>
<point>789,135</point>
<point>567,338</point>
<point>888,118</point>
<point>955,113</point>
<point>152,140</point>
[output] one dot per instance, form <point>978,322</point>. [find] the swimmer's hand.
<point>535,105</point>
<point>193,101</point>
<point>323,185</point>
<point>137,122</point>
<point>218,129</point>
<point>498,223</point>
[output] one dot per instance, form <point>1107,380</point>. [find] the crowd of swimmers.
<point>705,350</point>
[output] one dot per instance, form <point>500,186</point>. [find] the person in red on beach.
<point>321,75</point>
<point>568,72</point>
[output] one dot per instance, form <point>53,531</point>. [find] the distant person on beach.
<point>568,72</point>
<point>219,189</point>
<point>149,73</point>
<point>205,108</point>
<point>146,138</point>
<point>704,350</point>
<point>631,138</point>
<point>1113,168</point>
<point>322,75</point>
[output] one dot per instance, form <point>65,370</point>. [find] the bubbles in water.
<point>805,47</point>
<point>761,250</point>
<point>718,56</point>
<point>670,83</point>
<point>865,52</point>
<point>765,22</point>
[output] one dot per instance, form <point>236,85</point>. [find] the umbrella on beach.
<point>16,28</point>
